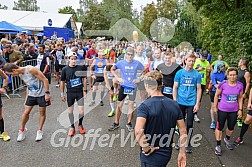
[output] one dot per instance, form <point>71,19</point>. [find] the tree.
<point>167,9</point>
<point>115,10</point>
<point>95,19</point>
<point>26,5</point>
<point>149,15</point>
<point>68,10</point>
<point>225,28</point>
<point>3,7</point>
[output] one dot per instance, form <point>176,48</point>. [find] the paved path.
<point>56,149</point>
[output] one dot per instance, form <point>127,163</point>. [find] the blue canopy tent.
<point>6,28</point>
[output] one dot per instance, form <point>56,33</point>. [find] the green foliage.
<point>26,5</point>
<point>68,10</point>
<point>225,28</point>
<point>150,13</point>
<point>95,19</point>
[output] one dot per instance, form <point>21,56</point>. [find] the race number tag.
<point>75,82</point>
<point>232,98</point>
<point>187,82</point>
<point>100,70</point>
<point>167,90</point>
<point>33,88</point>
<point>128,91</point>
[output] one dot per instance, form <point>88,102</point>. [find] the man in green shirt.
<point>203,67</point>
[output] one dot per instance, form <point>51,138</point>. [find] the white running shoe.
<point>21,135</point>
<point>39,136</point>
<point>196,119</point>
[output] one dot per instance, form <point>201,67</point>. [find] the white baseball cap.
<point>72,54</point>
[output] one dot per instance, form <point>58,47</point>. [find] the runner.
<point>244,78</point>
<point>228,108</point>
<point>203,67</point>
<point>3,134</point>
<point>96,72</point>
<point>187,92</point>
<point>90,56</point>
<point>110,82</point>
<point>128,70</point>
<point>43,62</point>
<point>59,55</point>
<point>158,111</point>
<point>217,78</point>
<point>157,60</point>
<point>144,60</point>
<point>37,94</point>
<point>168,70</point>
<point>247,121</point>
<point>75,91</point>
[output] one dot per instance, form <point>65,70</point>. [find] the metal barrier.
<point>17,84</point>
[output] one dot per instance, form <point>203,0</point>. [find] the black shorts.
<point>58,67</point>
<point>72,96</point>
<point>249,112</point>
<point>140,85</point>
<point>33,101</point>
<point>231,118</point>
<point>122,96</point>
<point>202,91</point>
<point>99,80</point>
<point>212,94</point>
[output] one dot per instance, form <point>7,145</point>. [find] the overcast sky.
<point>52,6</point>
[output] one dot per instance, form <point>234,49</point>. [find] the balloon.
<point>135,35</point>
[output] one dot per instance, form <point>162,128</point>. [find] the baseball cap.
<point>72,54</point>
<point>204,54</point>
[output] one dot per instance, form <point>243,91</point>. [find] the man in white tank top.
<point>37,94</point>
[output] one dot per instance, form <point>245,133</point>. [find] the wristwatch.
<point>47,92</point>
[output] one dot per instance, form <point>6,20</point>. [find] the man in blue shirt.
<point>187,92</point>
<point>128,70</point>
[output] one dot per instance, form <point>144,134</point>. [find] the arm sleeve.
<point>142,111</point>
<point>198,78</point>
<point>63,75</point>
<point>177,76</point>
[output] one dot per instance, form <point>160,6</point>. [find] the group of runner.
<point>180,79</point>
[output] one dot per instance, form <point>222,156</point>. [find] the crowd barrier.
<point>17,84</point>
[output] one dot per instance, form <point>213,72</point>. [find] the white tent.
<point>79,26</point>
<point>35,21</point>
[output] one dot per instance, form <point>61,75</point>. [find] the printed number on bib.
<point>187,82</point>
<point>128,91</point>
<point>75,82</point>
<point>167,90</point>
<point>232,98</point>
<point>33,88</point>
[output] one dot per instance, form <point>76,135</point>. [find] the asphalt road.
<point>56,149</point>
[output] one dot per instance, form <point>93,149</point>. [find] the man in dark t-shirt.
<point>156,120</point>
<point>75,78</point>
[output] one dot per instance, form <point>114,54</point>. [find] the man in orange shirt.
<point>112,55</point>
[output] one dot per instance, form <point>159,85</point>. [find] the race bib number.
<point>93,56</point>
<point>187,82</point>
<point>33,88</point>
<point>167,90</point>
<point>75,82</point>
<point>128,91</point>
<point>100,70</point>
<point>232,98</point>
